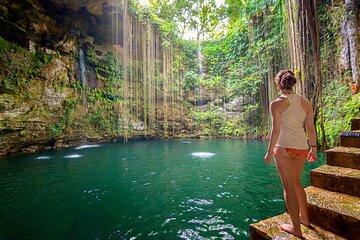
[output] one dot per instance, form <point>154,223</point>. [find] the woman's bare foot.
<point>305,221</point>
<point>306,224</point>
<point>290,229</point>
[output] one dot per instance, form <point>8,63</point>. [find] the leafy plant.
<point>339,108</point>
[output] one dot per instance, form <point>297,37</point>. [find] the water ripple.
<point>94,195</point>
<point>200,201</point>
<point>212,220</point>
<point>73,156</point>
<point>152,233</point>
<point>226,235</point>
<point>227,195</point>
<point>42,157</point>
<point>87,146</point>
<point>189,234</point>
<point>203,154</point>
<point>167,221</point>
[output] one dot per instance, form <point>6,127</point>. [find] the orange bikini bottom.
<point>296,153</point>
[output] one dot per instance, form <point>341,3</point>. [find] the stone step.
<point>270,229</point>
<point>335,212</point>
<point>344,157</point>
<point>337,179</point>
<point>350,139</point>
<point>355,124</point>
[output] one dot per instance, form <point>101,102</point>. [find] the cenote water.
<point>175,189</point>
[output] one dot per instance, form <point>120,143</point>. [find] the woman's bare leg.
<point>300,192</point>
<point>287,172</point>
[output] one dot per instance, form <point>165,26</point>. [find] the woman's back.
<point>292,132</point>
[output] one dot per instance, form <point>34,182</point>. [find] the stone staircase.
<point>333,197</point>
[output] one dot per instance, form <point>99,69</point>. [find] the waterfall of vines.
<point>147,76</point>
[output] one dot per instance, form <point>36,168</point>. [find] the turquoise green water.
<point>140,190</point>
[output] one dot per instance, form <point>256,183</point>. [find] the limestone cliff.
<point>72,71</point>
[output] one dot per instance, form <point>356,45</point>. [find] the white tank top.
<point>292,131</point>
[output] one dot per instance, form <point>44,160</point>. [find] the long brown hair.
<point>285,79</point>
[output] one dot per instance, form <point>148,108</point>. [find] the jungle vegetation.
<point>243,45</point>
<point>219,82</point>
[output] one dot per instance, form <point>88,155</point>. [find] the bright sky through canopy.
<point>146,2</point>
<point>188,34</point>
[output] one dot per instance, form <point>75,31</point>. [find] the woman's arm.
<point>275,132</point>
<point>310,129</point>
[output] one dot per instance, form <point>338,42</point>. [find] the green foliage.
<point>93,110</point>
<point>19,66</point>
<point>237,61</point>
<point>42,58</point>
<point>22,133</point>
<point>239,9</point>
<point>107,69</point>
<point>214,123</point>
<point>329,22</point>
<point>176,17</point>
<point>152,16</point>
<point>70,102</point>
<point>187,50</point>
<point>191,80</point>
<point>339,105</point>
<point>57,128</point>
<point>339,108</point>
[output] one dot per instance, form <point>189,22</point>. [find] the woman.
<point>289,145</point>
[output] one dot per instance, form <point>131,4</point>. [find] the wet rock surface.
<point>350,139</point>
<point>355,124</point>
<point>338,179</point>
<point>24,121</point>
<point>344,157</point>
<point>270,229</point>
<point>336,212</point>
<point>47,23</point>
<point>52,109</point>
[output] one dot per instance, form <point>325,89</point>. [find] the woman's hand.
<point>268,157</point>
<point>312,157</point>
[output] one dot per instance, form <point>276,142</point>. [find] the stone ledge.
<point>350,139</point>
<point>348,157</point>
<point>354,134</point>
<point>335,212</point>
<point>270,229</point>
<point>339,179</point>
<point>355,124</point>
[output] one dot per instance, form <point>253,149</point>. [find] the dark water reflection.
<point>195,189</point>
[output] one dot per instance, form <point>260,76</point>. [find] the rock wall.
<point>43,101</point>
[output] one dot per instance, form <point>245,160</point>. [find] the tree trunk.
<point>350,37</point>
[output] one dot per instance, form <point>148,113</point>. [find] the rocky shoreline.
<point>76,140</point>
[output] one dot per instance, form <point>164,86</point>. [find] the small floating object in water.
<point>186,141</point>
<point>42,157</point>
<point>203,154</point>
<point>87,146</point>
<point>73,156</point>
